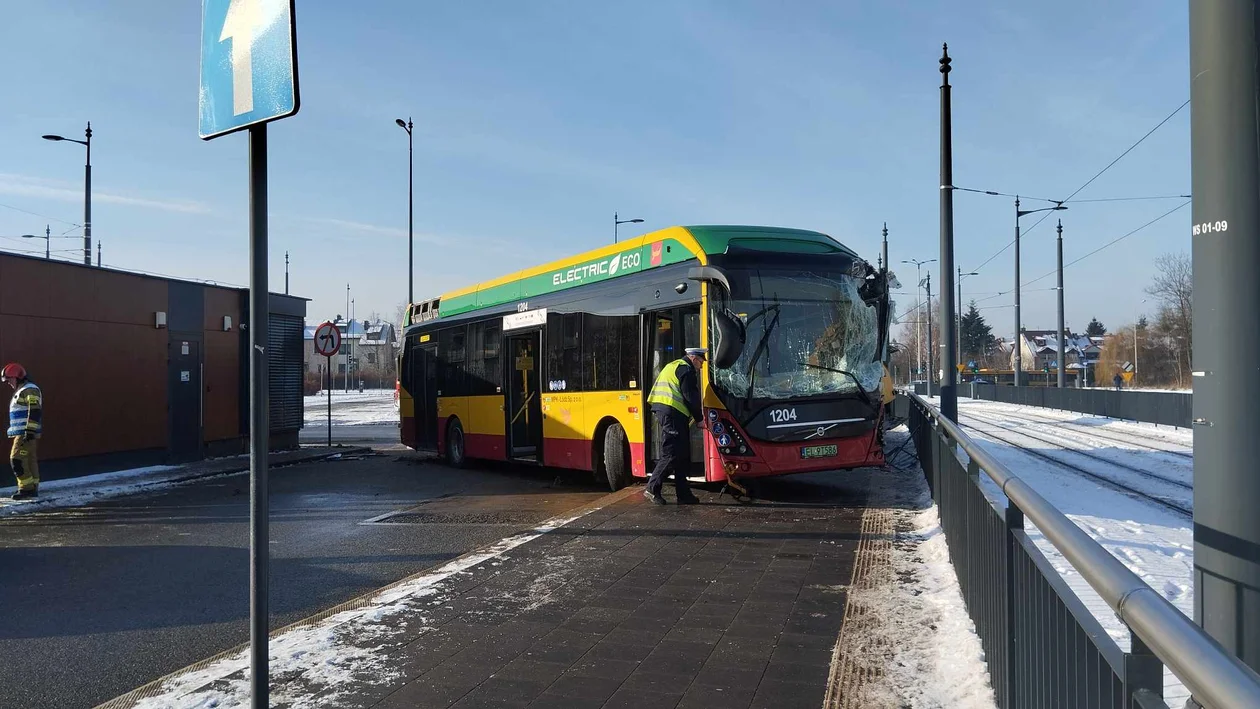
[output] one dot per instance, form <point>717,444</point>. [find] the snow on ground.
<point>327,660</point>
<point>1154,542</point>
<point>349,397</point>
<point>74,492</point>
<point>351,409</point>
<point>913,632</point>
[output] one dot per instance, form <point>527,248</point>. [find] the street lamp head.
<point>401,123</point>
<point>635,221</point>
<point>31,236</point>
<point>53,137</point>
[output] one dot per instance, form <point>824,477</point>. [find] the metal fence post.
<point>1014,678</point>
<point>1142,671</point>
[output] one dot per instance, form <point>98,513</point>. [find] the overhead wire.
<point>1087,183</point>
<point>1113,242</point>
<point>41,216</point>
<point>1131,199</point>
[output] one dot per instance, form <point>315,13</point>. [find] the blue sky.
<point>536,121</point>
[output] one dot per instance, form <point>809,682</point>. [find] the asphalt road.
<point>100,599</point>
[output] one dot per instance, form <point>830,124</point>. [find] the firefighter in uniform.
<point>25,425</point>
<point>675,401</point>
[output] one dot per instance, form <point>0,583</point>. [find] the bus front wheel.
<point>616,457</point>
<point>455,445</point>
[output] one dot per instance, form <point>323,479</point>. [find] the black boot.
<point>25,494</point>
<point>656,499</point>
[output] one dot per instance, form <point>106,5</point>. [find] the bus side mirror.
<point>728,335</point>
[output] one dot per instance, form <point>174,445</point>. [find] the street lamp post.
<point>949,353</point>
<point>1135,342</point>
<point>618,222</point>
<point>87,190</point>
<point>928,284</point>
<point>961,276</point>
<point>411,295</point>
<point>918,329</point>
<point>884,251</point>
<point>1062,333</point>
<point>1019,344</point>
<point>47,237</point>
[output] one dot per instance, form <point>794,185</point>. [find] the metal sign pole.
<point>259,551</point>
<point>238,93</point>
<point>328,368</point>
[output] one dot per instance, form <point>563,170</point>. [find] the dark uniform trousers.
<point>675,451</point>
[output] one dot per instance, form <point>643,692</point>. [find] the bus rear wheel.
<point>455,445</point>
<point>616,457</point>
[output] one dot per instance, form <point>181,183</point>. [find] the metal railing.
<point>1166,408</point>
<point>1162,407</point>
<point>1044,647</point>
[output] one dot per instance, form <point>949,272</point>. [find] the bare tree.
<point>1173,288</point>
<point>400,313</point>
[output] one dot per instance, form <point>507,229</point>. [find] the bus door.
<point>523,399</point>
<point>670,333</point>
<point>424,394</point>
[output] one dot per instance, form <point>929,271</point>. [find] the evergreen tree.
<point>1095,328</point>
<point>977,335</point>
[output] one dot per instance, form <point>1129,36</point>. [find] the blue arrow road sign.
<point>248,64</point>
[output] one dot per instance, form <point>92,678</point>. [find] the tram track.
<point>986,429</point>
<point>1090,431</point>
<point>1085,454</point>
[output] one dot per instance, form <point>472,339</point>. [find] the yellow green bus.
<point>550,365</point>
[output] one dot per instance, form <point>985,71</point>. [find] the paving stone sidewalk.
<point>714,605</point>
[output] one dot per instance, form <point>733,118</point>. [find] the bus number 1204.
<point>782,415</point>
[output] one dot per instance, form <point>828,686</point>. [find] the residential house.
<point>1039,351</point>
<point>365,347</point>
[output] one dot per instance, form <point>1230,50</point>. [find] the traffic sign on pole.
<point>248,64</point>
<point>249,77</point>
<point>327,339</point>
<point>327,343</point>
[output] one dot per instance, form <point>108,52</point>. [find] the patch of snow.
<point>1154,542</point>
<point>352,409</point>
<point>919,634</point>
<point>82,490</point>
<point>317,665</point>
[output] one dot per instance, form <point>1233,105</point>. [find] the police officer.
<point>25,426</point>
<point>675,401</point>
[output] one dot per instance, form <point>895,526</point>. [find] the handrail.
<point>1213,675</point>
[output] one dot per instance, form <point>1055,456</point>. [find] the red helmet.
<point>13,371</point>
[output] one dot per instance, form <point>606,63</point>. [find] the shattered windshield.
<point>808,333</point>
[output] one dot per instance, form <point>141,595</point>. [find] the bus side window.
<point>662,343</point>
<point>484,375</point>
<point>451,365</point>
<point>691,326</point>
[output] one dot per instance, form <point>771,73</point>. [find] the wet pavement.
<point>102,598</point>
<point>631,605</point>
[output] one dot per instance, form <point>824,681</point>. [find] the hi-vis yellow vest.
<point>668,390</point>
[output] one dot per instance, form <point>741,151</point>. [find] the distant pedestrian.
<point>26,412</point>
<point>675,401</point>
<point>1118,381</point>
